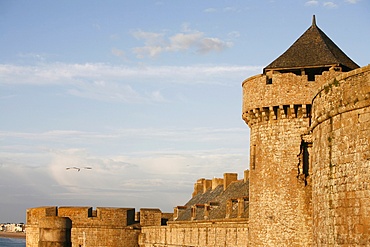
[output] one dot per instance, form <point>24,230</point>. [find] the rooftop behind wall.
<point>227,198</point>
<point>202,184</point>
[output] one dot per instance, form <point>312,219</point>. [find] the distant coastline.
<point>12,234</point>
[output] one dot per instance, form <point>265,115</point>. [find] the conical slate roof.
<point>312,50</point>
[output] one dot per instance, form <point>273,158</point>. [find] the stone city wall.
<point>109,227</point>
<point>103,227</point>
<point>150,217</point>
<point>55,231</point>
<point>196,234</point>
<point>34,215</point>
<point>341,161</point>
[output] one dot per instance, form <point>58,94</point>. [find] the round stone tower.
<point>341,160</point>
<point>277,108</point>
<point>55,231</point>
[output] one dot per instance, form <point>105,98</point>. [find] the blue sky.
<point>147,93</point>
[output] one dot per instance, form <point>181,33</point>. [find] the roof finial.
<point>314,21</point>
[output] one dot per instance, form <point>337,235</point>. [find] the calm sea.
<point>12,242</point>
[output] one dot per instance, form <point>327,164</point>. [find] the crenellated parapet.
<point>333,97</point>
<point>114,217</point>
<point>276,95</point>
<point>272,113</point>
<point>277,89</point>
<point>103,226</point>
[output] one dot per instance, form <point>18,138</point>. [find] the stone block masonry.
<point>278,113</point>
<point>55,231</point>
<point>150,217</point>
<point>109,227</point>
<point>341,161</point>
<point>232,233</point>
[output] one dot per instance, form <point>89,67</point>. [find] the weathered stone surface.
<point>202,233</point>
<point>341,161</point>
<point>55,231</point>
<point>109,227</point>
<point>280,203</point>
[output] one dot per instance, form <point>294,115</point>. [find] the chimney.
<point>216,182</point>
<point>198,187</point>
<point>193,212</point>
<point>229,207</point>
<point>240,207</point>
<point>177,211</point>
<point>207,183</point>
<point>207,207</point>
<point>246,176</point>
<point>228,178</point>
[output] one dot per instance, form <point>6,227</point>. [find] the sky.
<point>146,93</point>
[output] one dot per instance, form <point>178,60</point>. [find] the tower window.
<point>268,80</point>
<point>311,77</point>
<point>303,164</point>
<point>253,158</point>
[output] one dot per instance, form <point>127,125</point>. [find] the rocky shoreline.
<point>12,234</point>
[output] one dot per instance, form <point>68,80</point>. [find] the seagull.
<point>74,167</point>
<point>79,169</point>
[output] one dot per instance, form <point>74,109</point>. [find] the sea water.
<point>12,242</point>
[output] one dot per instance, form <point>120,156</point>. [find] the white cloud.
<point>185,27</point>
<point>117,52</point>
<point>140,175</point>
<point>150,38</point>
<point>131,85</point>
<point>81,137</point>
<point>33,56</point>
<point>183,41</point>
<point>151,51</point>
<point>97,26</point>
<point>210,10</point>
<point>213,44</point>
<point>157,43</point>
<point>102,91</point>
<point>312,3</point>
<point>156,96</point>
<point>234,34</point>
<point>114,37</point>
<point>120,83</point>
<point>330,5</point>
<point>231,9</point>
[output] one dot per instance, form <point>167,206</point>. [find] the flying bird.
<point>78,168</point>
<point>74,167</point>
